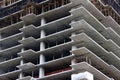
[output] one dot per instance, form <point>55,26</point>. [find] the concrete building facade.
<point>59,40</point>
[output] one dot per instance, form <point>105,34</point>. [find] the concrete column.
<point>73,34</point>
<point>22,62</point>
<point>42,44</point>
<point>42,47</point>
<point>42,34</point>
<point>0,39</point>
<point>43,21</point>
<point>42,59</point>
<point>21,75</point>
<point>73,48</point>
<point>22,50</point>
<point>73,60</point>
<point>82,76</point>
<point>0,36</point>
<point>41,72</point>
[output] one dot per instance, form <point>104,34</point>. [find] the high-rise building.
<point>59,40</point>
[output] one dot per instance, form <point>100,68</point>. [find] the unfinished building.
<point>59,40</point>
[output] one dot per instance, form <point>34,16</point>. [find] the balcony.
<point>26,66</point>
<point>85,66</point>
<point>26,78</point>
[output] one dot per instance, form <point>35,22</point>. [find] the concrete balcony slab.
<point>57,47</point>
<point>56,23</point>
<point>57,62</point>
<point>100,64</point>
<point>27,52</point>
<point>87,67</point>
<point>11,40</point>
<point>109,33</point>
<point>90,7</point>
<point>10,28</point>
<point>56,76</point>
<point>12,74</point>
<point>86,41</point>
<point>26,78</point>
<point>30,30</point>
<point>7,63</point>
<point>26,66</point>
<point>30,41</point>
<point>57,36</point>
<point>83,13</point>
<point>83,26</point>
<point>111,46</point>
<point>112,23</point>
<point>11,50</point>
<point>51,14</point>
<point>29,18</point>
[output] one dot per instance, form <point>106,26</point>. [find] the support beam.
<point>0,36</point>
<point>0,39</point>
<point>43,21</point>
<point>73,61</point>
<point>42,47</point>
<point>21,75</point>
<point>41,72</point>
<point>73,48</point>
<point>42,59</point>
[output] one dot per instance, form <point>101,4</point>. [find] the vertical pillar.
<point>43,21</point>
<point>10,2</point>
<point>0,39</point>
<point>42,47</point>
<point>0,36</point>
<point>73,60</point>
<point>73,48</point>
<point>73,34</point>
<point>41,72</point>
<point>22,62</point>
<point>21,74</point>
